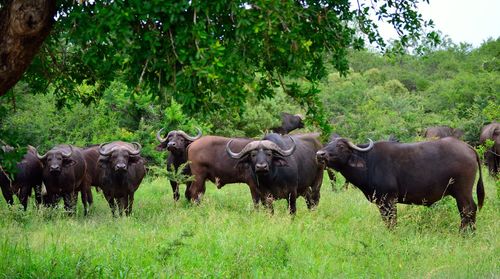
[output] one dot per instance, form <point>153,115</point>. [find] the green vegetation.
<point>226,237</point>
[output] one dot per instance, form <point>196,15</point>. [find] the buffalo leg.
<point>7,193</point>
<point>69,202</point>
<point>268,203</point>
<point>130,203</point>
<point>111,201</point>
<point>85,199</point>
<point>38,195</point>
<point>121,204</point>
<point>24,194</point>
<point>197,189</point>
<point>292,202</point>
<point>388,211</point>
<point>467,209</point>
<point>175,189</point>
<point>255,194</point>
<point>333,178</point>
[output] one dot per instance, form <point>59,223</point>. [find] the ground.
<point>225,237</point>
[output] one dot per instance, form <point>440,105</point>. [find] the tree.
<point>207,55</point>
<point>24,25</point>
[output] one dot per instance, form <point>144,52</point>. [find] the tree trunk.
<point>24,25</point>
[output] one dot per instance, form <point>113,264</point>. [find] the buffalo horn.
<point>249,147</point>
<point>40,157</point>
<point>353,146</point>
<point>159,138</point>
<point>67,155</point>
<point>137,150</point>
<point>300,116</point>
<point>191,138</point>
<point>102,151</point>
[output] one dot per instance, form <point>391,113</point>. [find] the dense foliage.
<point>399,95</point>
<point>212,55</point>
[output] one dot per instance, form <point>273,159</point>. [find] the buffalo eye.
<point>253,154</point>
<point>269,154</point>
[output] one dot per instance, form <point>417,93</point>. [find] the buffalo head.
<point>262,155</point>
<point>340,152</point>
<point>176,140</point>
<point>119,155</point>
<point>56,159</point>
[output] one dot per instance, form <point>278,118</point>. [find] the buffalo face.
<point>118,157</point>
<point>56,160</point>
<point>175,141</point>
<point>261,155</point>
<point>340,152</point>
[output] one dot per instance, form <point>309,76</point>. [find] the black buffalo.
<point>284,168</point>
<point>209,160</point>
<point>64,170</point>
<point>330,171</point>
<point>176,142</point>
<point>442,132</point>
<point>492,155</point>
<point>121,170</point>
<point>416,173</point>
<point>289,122</point>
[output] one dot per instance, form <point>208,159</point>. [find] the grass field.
<point>225,237</point>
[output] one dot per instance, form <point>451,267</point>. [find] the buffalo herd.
<point>277,166</point>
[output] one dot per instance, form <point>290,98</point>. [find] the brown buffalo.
<point>283,167</point>
<point>442,132</point>
<point>416,173</point>
<point>492,155</point>
<point>64,171</point>
<point>121,172</point>
<point>176,142</point>
<point>209,160</point>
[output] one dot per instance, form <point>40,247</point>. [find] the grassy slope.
<point>226,237</point>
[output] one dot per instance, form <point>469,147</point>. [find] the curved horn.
<point>301,116</point>
<point>249,147</point>
<point>159,138</point>
<point>273,146</point>
<point>67,155</point>
<point>353,146</point>
<point>188,137</point>
<point>40,157</point>
<point>101,149</point>
<point>137,150</point>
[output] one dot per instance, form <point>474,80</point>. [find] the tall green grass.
<point>225,237</point>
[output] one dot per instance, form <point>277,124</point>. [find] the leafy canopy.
<point>212,55</point>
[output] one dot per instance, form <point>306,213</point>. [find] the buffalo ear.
<point>243,163</point>
<point>103,162</point>
<point>69,162</point>
<point>134,159</point>
<point>280,161</point>
<point>356,162</point>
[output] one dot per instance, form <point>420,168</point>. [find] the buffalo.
<point>121,172</point>
<point>92,175</point>
<point>5,185</point>
<point>209,160</point>
<point>331,173</point>
<point>28,178</point>
<point>284,168</point>
<point>442,131</point>
<point>289,122</point>
<point>176,142</point>
<point>415,173</point>
<point>492,155</point>
<point>64,170</point>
